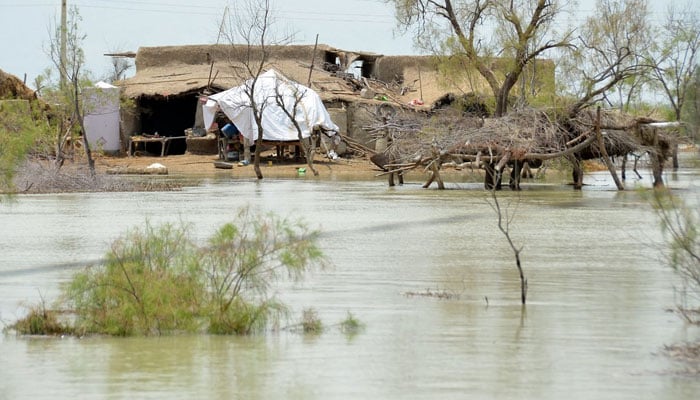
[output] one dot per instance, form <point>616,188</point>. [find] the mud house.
<point>169,81</point>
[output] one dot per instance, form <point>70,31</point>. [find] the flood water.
<point>594,326</point>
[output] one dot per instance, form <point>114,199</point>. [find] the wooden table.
<point>278,144</point>
<point>163,140</point>
<point>281,144</point>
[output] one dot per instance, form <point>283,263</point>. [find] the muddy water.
<point>595,321</point>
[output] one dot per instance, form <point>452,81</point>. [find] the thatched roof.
<point>173,70</point>
<point>12,87</point>
<point>400,80</point>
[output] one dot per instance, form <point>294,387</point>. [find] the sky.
<point>126,25</point>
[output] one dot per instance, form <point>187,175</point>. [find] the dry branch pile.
<point>446,138</point>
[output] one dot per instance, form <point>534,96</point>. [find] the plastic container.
<point>230,131</point>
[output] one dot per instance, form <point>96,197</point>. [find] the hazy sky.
<point>125,25</point>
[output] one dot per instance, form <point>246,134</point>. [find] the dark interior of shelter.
<point>167,116</point>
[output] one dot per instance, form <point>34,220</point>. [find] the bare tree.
<point>676,58</point>
<point>71,67</point>
<point>289,99</point>
<point>251,23</point>
<point>465,29</point>
<point>120,66</point>
<point>607,52</point>
<point>505,218</point>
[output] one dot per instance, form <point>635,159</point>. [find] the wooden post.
<point>63,59</point>
<point>420,84</point>
<point>313,59</point>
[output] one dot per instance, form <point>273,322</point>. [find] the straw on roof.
<point>179,69</point>
<point>12,87</point>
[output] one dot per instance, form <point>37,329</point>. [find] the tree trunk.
<point>309,149</point>
<point>81,122</point>
<point>258,149</point>
<point>492,178</point>
<point>657,162</point>
<point>577,173</point>
<point>604,153</point>
<point>523,280</point>
<point>501,105</point>
<point>502,96</point>
<point>674,156</point>
<point>514,182</point>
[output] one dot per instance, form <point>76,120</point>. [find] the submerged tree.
<point>498,38</point>
<point>505,218</point>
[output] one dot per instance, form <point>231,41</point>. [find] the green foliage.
<point>18,133</point>
<point>690,114</point>
<point>680,224</point>
<point>41,321</point>
<point>351,325</point>
<point>242,262</point>
<point>310,321</point>
<point>158,280</point>
<point>148,285</point>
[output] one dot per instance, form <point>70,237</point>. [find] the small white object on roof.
<point>104,85</point>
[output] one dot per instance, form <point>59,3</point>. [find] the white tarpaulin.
<point>102,117</point>
<point>310,112</point>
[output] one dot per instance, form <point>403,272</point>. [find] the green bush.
<point>148,285</point>
<point>41,321</point>
<point>18,132</point>
<point>679,223</point>
<point>242,262</point>
<point>351,325</point>
<point>158,280</point>
<point>310,322</point>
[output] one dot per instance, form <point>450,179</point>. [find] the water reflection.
<point>595,320</point>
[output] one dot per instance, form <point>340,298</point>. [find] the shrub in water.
<point>310,321</point>
<point>41,321</point>
<point>242,262</point>
<point>148,285</point>
<point>351,325</point>
<point>158,280</point>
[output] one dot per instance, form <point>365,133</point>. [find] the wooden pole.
<point>420,84</point>
<point>63,44</point>
<point>313,59</point>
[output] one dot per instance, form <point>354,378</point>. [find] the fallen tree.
<point>517,141</point>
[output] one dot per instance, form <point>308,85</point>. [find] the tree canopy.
<point>514,32</point>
